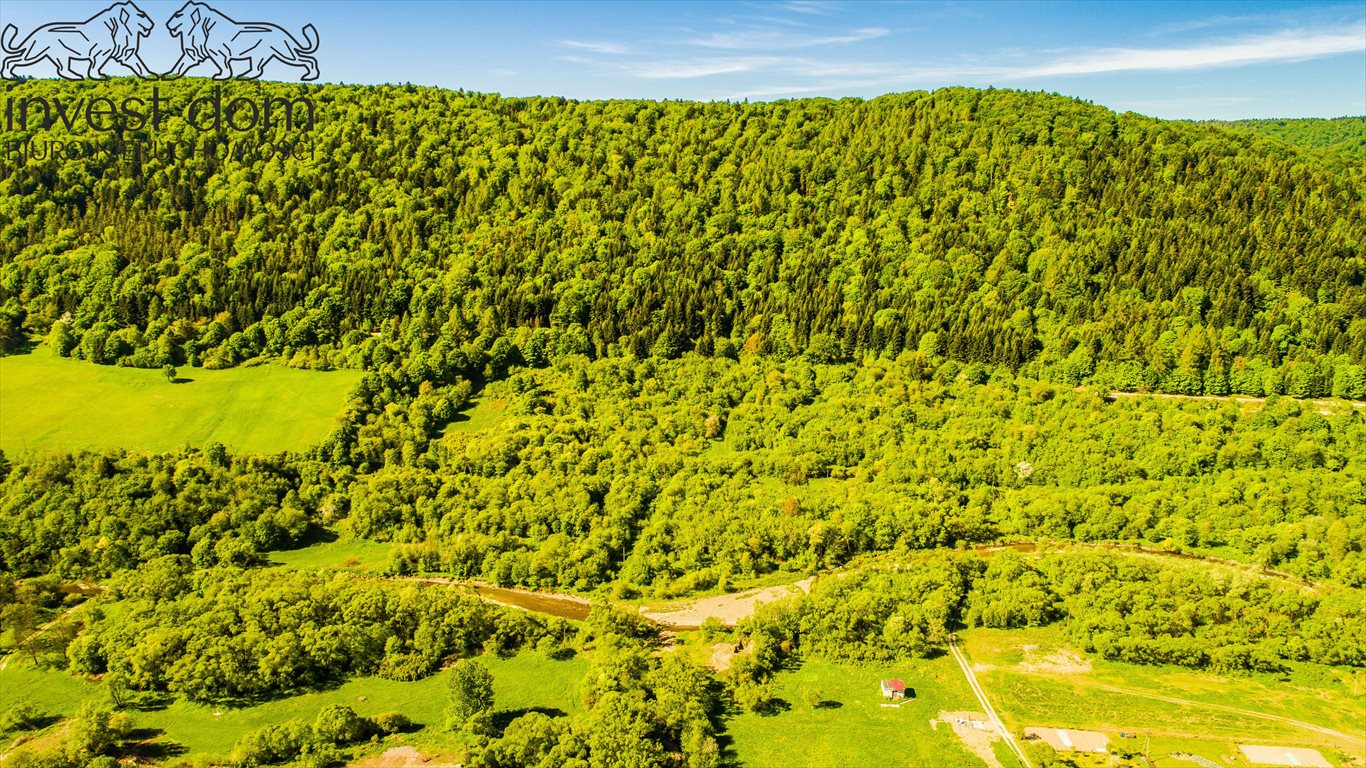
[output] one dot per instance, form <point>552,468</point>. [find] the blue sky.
<point>1168,59</point>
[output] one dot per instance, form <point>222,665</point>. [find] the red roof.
<point>895,684</point>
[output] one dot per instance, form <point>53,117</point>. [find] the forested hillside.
<point>1015,229</point>
<point>651,350</point>
<point>1344,135</point>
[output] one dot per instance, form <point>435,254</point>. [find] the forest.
<point>1343,135</point>
<point>1024,230</point>
<point>634,350</point>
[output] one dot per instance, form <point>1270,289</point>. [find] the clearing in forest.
<point>49,403</point>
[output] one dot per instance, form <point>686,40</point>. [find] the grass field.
<point>351,554</point>
<point>53,403</point>
<point>523,682</point>
<point>482,413</point>
<point>850,728</point>
<point>1036,679</point>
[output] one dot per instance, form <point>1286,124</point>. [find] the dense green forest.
<point>640,349</point>
<point>1345,135</point>
<point>1025,230</point>
<point>681,475</point>
<point>669,477</point>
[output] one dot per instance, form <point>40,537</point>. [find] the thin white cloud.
<point>610,48</point>
<point>775,40</point>
<point>793,75</point>
<point>682,69</point>
<point>1290,45</point>
<point>772,91</point>
<point>809,7</point>
<point>1193,25</point>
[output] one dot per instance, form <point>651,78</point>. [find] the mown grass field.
<point>521,683</point>
<point>52,403</point>
<point>1034,679</point>
<point>850,728</point>
<point>346,553</point>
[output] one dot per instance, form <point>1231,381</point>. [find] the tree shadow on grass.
<point>147,701</point>
<point>501,720</point>
<point>149,745</point>
<point>828,704</point>
<point>315,535</point>
<point>725,745</point>
<point>775,706</point>
<point>40,723</point>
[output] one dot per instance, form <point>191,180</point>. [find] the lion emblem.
<point>208,35</point>
<point>112,35</point>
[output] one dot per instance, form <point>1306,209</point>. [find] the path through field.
<point>1233,710</point>
<point>986,704</point>
<point>4,664</point>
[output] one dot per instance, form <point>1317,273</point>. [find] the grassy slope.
<point>522,682</point>
<point>1315,694</point>
<point>859,732</point>
<point>52,403</point>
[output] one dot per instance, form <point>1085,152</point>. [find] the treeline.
<point>227,634</point>
<point>678,476</point>
<point>236,636</point>
<point>85,516</point>
<point>697,473</point>
<point>1020,230</point>
<point>642,708</point>
<point>646,708</point>
<point>1120,607</point>
<point>1344,135</point>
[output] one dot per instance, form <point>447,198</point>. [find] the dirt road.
<point>1325,407</point>
<point>1356,741</point>
<point>986,705</point>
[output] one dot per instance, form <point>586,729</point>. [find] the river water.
<point>563,607</point>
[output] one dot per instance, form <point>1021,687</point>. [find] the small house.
<point>893,688</point>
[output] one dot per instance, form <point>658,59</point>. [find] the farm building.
<point>893,688</point>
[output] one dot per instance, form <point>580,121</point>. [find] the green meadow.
<point>1035,678</point>
<point>346,553</point>
<point>522,683</point>
<point>849,727</point>
<point>51,403</point>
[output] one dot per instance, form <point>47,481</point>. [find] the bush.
<point>471,691</point>
<point>23,716</point>
<point>273,744</point>
<point>713,630</point>
<point>339,724</point>
<point>389,723</point>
